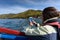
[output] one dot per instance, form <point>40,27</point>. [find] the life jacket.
<point>53,23</point>
<point>56,25</point>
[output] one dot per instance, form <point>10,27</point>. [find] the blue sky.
<point>17,6</point>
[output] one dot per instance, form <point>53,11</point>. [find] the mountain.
<point>25,14</point>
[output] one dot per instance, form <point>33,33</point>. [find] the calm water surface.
<point>17,24</point>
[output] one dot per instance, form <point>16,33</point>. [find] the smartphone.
<point>30,19</point>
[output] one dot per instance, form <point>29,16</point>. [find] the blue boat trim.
<point>7,36</point>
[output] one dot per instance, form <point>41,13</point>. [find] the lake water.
<point>17,24</point>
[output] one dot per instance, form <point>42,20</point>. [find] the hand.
<point>31,24</point>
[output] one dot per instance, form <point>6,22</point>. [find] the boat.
<point>11,31</point>
<point>12,37</point>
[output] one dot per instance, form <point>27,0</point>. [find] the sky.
<point>18,6</point>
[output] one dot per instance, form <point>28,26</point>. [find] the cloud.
<point>30,3</point>
<point>14,9</point>
<point>43,2</point>
<point>16,6</point>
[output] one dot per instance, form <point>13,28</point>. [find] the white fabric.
<point>42,30</point>
<point>50,19</point>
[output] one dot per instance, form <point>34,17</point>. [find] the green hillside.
<point>26,14</point>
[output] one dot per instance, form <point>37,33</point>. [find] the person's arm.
<point>32,22</point>
<point>36,24</point>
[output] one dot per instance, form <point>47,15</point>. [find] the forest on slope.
<point>25,14</point>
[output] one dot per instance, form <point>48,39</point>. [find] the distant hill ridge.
<point>25,14</point>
